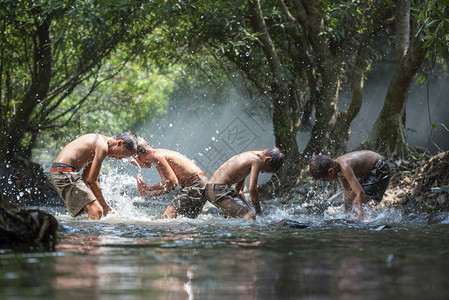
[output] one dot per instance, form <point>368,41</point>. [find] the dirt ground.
<point>420,184</point>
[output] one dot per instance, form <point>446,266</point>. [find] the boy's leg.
<point>75,193</point>
<point>227,201</point>
<point>169,213</point>
<point>189,201</point>
<point>94,210</point>
<point>249,215</point>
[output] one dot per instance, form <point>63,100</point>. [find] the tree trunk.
<point>325,111</point>
<point>342,130</point>
<point>284,127</point>
<point>387,135</point>
<point>40,82</point>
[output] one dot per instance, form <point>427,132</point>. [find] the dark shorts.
<point>375,184</point>
<point>226,199</point>
<point>190,200</point>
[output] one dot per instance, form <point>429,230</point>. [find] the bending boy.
<point>363,174</point>
<point>82,192</point>
<point>174,168</point>
<point>232,203</point>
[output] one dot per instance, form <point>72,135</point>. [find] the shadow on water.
<point>133,254</point>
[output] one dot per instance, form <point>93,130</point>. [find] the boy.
<point>232,203</point>
<point>82,192</point>
<point>363,174</point>
<point>174,168</point>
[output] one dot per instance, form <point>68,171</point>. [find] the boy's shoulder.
<point>91,141</point>
<point>93,137</point>
<point>166,154</point>
<point>359,161</point>
<point>358,155</point>
<point>248,157</point>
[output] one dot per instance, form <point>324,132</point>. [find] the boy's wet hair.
<point>277,158</point>
<point>319,166</point>
<point>142,145</point>
<point>129,140</point>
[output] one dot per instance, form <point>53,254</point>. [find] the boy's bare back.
<point>361,162</point>
<point>236,168</point>
<point>182,166</point>
<point>82,150</point>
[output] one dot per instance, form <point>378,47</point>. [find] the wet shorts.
<point>226,199</point>
<point>190,199</point>
<point>72,189</point>
<point>377,180</point>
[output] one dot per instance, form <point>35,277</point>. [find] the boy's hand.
<point>107,210</point>
<point>141,186</point>
<point>139,178</point>
<point>357,203</point>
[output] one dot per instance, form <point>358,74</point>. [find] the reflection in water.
<point>87,276</point>
<point>182,260</point>
<point>197,259</point>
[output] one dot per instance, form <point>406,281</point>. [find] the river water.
<point>134,255</point>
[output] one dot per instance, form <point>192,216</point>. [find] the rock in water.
<point>292,224</point>
<point>382,227</point>
<point>20,227</point>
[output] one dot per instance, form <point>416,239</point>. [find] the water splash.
<point>132,159</point>
<point>120,191</point>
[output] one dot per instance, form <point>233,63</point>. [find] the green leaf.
<point>432,23</point>
<point>441,189</point>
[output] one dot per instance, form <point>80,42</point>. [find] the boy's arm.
<point>360,196</point>
<point>90,177</point>
<point>168,183</point>
<point>239,186</point>
<point>253,177</point>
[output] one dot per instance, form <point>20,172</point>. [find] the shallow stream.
<point>134,255</point>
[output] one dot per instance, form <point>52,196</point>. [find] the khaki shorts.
<point>73,190</point>
<point>190,200</point>
<point>226,199</point>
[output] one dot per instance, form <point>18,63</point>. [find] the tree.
<point>133,96</point>
<point>433,22</point>
<point>48,49</point>
<point>296,53</point>
<point>387,135</point>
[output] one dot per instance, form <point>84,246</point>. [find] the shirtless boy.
<point>232,203</point>
<point>174,168</point>
<point>82,192</point>
<point>363,174</point>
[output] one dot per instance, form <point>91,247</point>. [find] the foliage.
<point>338,14</point>
<point>49,48</point>
<point>434,24</point>
<point>98,65</point>
<point>134,95</point>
